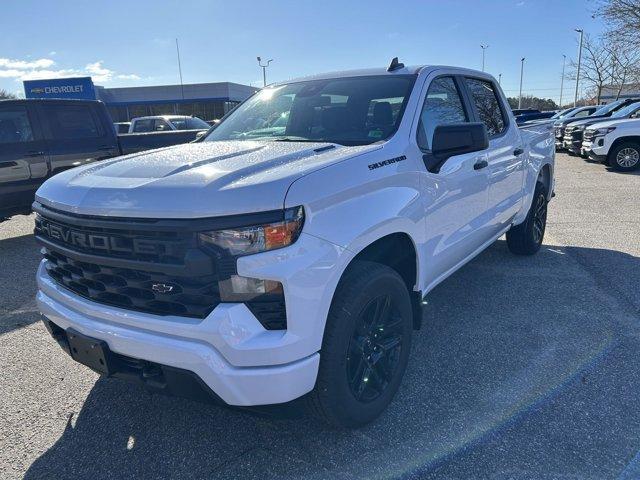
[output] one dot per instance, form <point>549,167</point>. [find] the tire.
<point>526,238</point>
<point>625,157</point>
<point>351,390</point>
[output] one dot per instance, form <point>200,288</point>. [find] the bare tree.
<point>596,68</point>
<point>623,20</point>
<point>4,95</point>
<point>625,65</point>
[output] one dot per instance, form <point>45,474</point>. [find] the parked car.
<point>560,124</point>
<point>121,127</point>
<point>39,138</point>
<point>572,139</point>
<point>259,269</point>
<point>166,123</point>
<point>527,117</point>
<point>615,142</point>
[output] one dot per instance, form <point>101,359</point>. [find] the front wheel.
<point>526,238</point>
<point>625,157</point>
<point>365,348</point>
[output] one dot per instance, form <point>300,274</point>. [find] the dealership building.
<point>208,101</point>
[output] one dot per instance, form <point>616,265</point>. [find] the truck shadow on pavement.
<point>19,258</point>
<point>508,344</point>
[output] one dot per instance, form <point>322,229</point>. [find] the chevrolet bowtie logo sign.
<point>161,288</point>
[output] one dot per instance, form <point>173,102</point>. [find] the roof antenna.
<point>395,65</point>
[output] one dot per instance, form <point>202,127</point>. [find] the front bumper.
<point>230,351</point>
<point>572,142</point>
<point>596,148</point>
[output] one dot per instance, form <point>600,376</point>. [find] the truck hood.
<point>193,180</point>
<point>619,122</point>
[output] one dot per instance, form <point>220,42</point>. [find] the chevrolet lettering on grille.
<point>97,241</point>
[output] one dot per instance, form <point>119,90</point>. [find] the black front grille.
<point>589,135</point>
<point>151,292</point>
<point>153,266</point>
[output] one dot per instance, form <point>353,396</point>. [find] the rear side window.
<point>442,106</point>
<point>487,105</point>
<point>161,126</point>
<point>71,121</point>
<point>15,126</point>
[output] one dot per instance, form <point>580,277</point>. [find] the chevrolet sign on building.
<point>80,87</point>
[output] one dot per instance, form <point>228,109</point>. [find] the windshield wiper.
<point>297,139</point>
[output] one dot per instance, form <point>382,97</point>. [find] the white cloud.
<point>26,65</point>
<point>52,53</point>
<point>41,69</point>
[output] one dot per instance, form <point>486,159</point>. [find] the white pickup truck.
<point>616,142</point>
<point>257,269</point>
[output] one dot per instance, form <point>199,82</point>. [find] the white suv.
<point>616,143</point>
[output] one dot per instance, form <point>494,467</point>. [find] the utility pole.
<point>575,98</point>
<point>483,47</point>
<point>180,69</point>
<point>264,70</point>
<point>564,61</point>
<point>521,73</point>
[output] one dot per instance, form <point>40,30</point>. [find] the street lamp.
<point>575,98</point>
<point>264,69</point>
<point>499,79</point>
<point>483,47</point>
<point>521,73</point>
<point>564,61</point>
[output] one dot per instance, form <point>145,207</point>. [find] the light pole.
<point>499,79</point>
<point>483,47</point>
<point>564,61</point>
<point>521,73</point>
<point>264,70</point>
<point>575,98</point>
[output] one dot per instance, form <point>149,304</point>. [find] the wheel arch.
<point>398,251</point>
<point>628,139</point>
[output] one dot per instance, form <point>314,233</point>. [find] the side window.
<point>15,126</point>
<point>487,104</point>
<point>583,113</point>
<point>442,106</point>
<point>71,121</point>
<point>141,126</point>
<point>161,125</point>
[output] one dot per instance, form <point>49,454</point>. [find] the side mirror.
<point>201,134</point>
<point>455,139</point>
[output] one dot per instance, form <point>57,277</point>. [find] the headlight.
<point>603,131</point>
<point>258,238</point>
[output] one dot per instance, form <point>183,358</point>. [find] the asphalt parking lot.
<point>525,368</point>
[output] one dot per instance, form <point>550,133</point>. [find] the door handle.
<point>479,165</point>
<point>34,154</point>
<point>518,151</point>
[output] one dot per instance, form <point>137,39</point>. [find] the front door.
<point>456,195</point>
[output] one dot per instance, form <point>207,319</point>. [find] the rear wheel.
<point>625,157</point>
<point>366,346</point>
<point>526,238</point>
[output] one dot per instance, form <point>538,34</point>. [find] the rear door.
<point>505,154</point>
<point>23,156</point>
<point>75,134</point>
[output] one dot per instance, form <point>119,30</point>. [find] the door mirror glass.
<point>459,138</point>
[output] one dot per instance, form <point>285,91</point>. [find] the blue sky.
<point>125,43</point>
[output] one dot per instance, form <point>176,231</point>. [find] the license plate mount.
<point>89,351</point>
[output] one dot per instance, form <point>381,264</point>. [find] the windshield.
<point>347,111</point>
<point>189,123</point>
<point>626,111</point>
<point>563,113</point>
<point>603,110</point>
